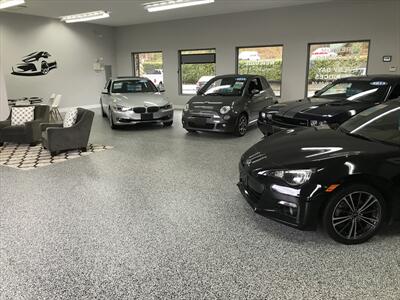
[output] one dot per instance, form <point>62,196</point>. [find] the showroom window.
<point>149,65</point>
<point>265,61</point>
<point>330,61</point>
<point>197,67</point>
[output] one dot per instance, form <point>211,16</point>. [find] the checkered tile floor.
<point>25,157</point>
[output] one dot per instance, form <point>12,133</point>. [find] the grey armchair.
<point>56,138</point>
<point>29,133</point>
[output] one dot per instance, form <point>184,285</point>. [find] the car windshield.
<point>133,86</point>
<point>357,90</point>
<point>379,123</point>
<point>227,86</point>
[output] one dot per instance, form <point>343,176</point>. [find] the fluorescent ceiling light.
<point>172,4</point>
<point>89,16</point>
<point>10,3</point>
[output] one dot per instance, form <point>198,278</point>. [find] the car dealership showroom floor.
<point>160,216</point>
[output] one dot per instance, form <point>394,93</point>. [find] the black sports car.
<point>334,104</point>
<point>348,178</point>
<point>228,103</point>
<point>34,64</point>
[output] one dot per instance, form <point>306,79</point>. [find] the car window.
<point>357,90</point>
<point>381,123</point>
<point>133,86</point>
<point>395,93</point>
<point>255,84</point>
<point>226,86</point>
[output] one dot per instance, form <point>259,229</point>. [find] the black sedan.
<point>228,103</point>
<point>348,178</point>
<point>334,104</point>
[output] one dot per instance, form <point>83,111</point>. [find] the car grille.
<point>289,121</point>
<point>153,109</point>
<point>204,126</point>
<point>139,110</point>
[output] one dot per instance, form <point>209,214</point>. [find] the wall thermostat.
<point>387,58</point>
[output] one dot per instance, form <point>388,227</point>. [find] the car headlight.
<point>121,108</point>
<point>292,177</point>
<point>167,106</point>
<point>225,109</point>
<point>263,115</point>
<point>186,108</point>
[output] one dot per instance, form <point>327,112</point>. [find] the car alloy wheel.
<point>355,216</point>
<point>45,68</point>
<point>110,119</point>
<point>241,126</point>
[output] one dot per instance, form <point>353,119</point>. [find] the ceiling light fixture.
<point>10,3</point>
<point>173,4</point>
<point>89,16</point>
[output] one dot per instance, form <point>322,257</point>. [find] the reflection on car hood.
<point>318,107</point>
<point>140,99</point>
<point>311,147</point>
<point>211,102</point>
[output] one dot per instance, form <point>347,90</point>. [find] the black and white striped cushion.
<point>21,115</point>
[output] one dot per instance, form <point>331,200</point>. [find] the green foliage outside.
<point>271,70</point>
<point>343,66</point>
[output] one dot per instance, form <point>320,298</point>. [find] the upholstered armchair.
<point>29,133</point>
<point>56,138</point>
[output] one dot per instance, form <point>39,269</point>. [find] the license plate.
<point>147,116</point>
<point>200,121</point>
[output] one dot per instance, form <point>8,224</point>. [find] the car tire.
<point>111,119</point>
<point>354,214</point>
<point>241,125</point>
<point>45,68</point>
<point>103,113</point>
<point>168,124</point>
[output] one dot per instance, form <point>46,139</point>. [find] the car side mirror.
<point>254,92</point>
<point>161,88</point>
<point>105,92</point>
<point>316,92</point>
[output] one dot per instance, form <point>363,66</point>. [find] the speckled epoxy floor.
<point>160,217</point>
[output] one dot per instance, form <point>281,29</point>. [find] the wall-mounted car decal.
<point>35,64</point>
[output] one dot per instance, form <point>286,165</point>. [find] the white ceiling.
<point>127,12</point>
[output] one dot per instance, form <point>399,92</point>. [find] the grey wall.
<point>295,27</point>
<point>75,47</point>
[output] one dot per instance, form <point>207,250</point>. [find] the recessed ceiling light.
<point>172,4</point>
<point>10,3</point>
<point>83,17</point>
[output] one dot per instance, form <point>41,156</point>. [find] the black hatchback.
<point>332,105</point>
<point>348,178</point>
<point>228,103</point>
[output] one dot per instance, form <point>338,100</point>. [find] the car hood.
<point>211,102</point>
<point>139,99</point>
<point>318,107</point>
<point>310,147</point>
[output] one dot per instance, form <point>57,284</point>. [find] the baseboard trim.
<point>65,109</point>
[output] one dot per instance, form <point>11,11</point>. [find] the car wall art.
<point>35,64</point>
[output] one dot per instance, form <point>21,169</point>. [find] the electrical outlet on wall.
<point>392,69</point>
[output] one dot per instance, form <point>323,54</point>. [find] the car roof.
<point>128,77</point>
<point>247,76</point>
<point>391,78</point>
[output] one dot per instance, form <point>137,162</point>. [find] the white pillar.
<point>4,109</point>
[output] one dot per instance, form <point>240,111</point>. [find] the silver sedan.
<point>133,100</point>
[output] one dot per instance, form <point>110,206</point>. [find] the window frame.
<point>143,52</point>
<point>262,46</point>
<point>332,42</point>
<point>180,82</point>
